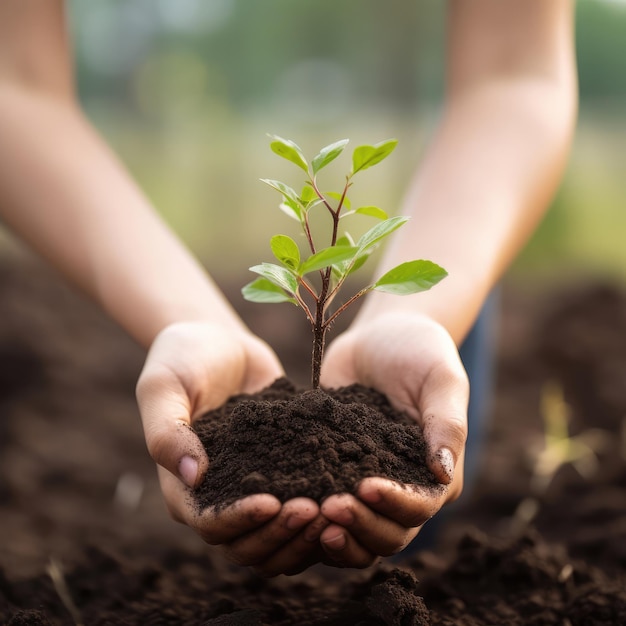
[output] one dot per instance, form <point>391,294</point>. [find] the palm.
<point>415,363</point>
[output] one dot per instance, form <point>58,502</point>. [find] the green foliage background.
<point>185,91</point>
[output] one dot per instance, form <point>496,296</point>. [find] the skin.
<point>489,175</point>
<point>485,183</point>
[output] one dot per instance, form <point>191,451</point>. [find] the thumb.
<point>165,413</point>
<point>443,406</point>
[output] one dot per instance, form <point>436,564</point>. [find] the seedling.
<point>559,449</point>
<point>293,280</point>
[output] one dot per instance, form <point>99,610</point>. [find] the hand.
<point>415,363</point>
<point>192,368</point>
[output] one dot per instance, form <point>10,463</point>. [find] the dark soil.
<point>313,443</point>
<point>79,496</point>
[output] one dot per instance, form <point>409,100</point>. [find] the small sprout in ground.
<point>60,585</point>
<point>560,448</point>
<point>340,255</point>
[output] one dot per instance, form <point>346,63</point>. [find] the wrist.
<point>446,305</point>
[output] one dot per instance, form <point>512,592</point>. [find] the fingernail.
<point>336,543</point>
<point>188,471</point>
<point>446,461</point>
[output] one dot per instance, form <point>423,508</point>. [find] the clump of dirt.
<point>183,590</point>
<point>70,434</point>
<point>519,582</point>
<point>310,443</point>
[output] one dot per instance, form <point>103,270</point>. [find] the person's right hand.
<point>412,360</point>
<point>194,367</point>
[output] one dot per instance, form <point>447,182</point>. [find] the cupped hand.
<point>191,368</point>
<point>415,363</point>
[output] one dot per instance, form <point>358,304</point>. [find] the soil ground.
<point>85,538</point>
<point>293,442</point>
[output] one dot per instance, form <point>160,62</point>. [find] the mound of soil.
<point>314,443</point>
<point>85,537</point>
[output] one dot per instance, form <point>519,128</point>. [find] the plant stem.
<point>321,325</point>
<point>320,195</point>
<point>307,232</point>
<point>345,305</point>
<point>305,308</point>
<point>319,340</point>
<point>319,330</point>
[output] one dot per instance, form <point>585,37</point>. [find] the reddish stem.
<point>321,325</point>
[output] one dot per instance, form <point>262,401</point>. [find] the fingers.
<point>414,361</point>
<point>343,550</point>
<point>388,529</point>
<point>443,406</point>
<point>262,365</point>
<point>258,546</point>
<point>226,525</point>
<point>257,531</point>
<point>279,546</point>
<point>165,413</point>
<point>408,505</point>
<point>302,551</point>
<point>191,368</point>
<point>374,532</point>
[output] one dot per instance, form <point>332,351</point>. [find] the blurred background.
<point>186,91</point>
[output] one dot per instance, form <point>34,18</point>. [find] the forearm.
<point>485,183</point>
<point>64,192</point>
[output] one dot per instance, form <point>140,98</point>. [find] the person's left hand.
<point>415,363</point>
<point>191,368</point>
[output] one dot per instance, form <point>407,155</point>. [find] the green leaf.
<point>308,194</point>
<point>290,151</point>
<point>341,268</point>
<point>410,277</point>
<point>381,230</point>
<point>328,154</point>
<point>372,211</point>
<point>286,250</point>
<point>347,267</point>
<point>327,257</point>
<point>293,211</point>
<point>345,240</point>
<point>280,276</point>
<point>286,190</point>
<point>366,156</point>
<point>264,291</point>
<point>337,196</point>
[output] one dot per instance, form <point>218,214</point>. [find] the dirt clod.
<point>294,443</point>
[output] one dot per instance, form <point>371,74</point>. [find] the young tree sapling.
<point>291,281</point>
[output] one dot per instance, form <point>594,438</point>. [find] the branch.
<point>321,196</point>
<point>346,304</point>
<point>308,287</point>
<point>305,308</point>
<point>307,232</point>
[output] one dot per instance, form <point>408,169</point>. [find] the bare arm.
<point>488,177</point>
<point>497,157</point>
<point>63,191</point>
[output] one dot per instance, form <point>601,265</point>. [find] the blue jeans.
<point>478,354</point>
